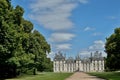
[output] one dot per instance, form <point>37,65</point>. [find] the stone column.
<point>64,66</point>
<point>100,65</point>
<point>103,66</point>
<point>54,66</point>
<point>95,65</point>
<point>80,66</point>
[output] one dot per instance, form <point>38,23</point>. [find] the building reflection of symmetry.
<point>94,63</point>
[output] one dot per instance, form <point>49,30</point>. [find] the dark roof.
<point>86,60</point>
<point>97,56</point>
<point>78,58</point>
<point>59,57</point>
<point>70,60</point>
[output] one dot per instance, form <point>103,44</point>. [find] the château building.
<point>95,63</point>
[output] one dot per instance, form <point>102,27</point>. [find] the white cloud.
<point>87,53</point>
<point>51,55</point>
<point>63,46</point>
<point>98,45</point>
<point>61,37</point>
<point>89,29</point>
<point>84,52</point>
<point>103,53</point>
<point>54,14</point>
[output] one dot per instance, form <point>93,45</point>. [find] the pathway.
<point>82,76</point>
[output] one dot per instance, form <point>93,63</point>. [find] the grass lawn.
<point>107,75</point>
<point>44,76</point>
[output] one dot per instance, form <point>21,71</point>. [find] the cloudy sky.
<point>73,26</point>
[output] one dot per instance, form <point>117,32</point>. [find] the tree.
<point>39,47</point>
<point>21,48</point>
<point>112,48</point>
<point>7,39</point>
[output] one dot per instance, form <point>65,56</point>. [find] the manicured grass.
<point>44,76</point>
<point>107,75</point>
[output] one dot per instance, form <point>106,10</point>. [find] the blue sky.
<point>73,26</point>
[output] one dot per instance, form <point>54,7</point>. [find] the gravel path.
<point>82,76</point>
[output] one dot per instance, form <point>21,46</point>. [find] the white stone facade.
<point>94,63</point>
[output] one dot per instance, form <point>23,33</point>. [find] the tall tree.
<point>40,48</point>
<point>7,38</point>
<point>21,48</point>
<point>112,48</point>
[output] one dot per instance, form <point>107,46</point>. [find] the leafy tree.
<point>7,38</point>
<point>112,47</point>
<point>27,26</point>
<point>21,48</point>
<point>40,47</point>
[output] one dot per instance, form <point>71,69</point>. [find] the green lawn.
<point>44,76</point>
<point>108,75</point>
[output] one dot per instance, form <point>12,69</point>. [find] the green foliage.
<point>21,48</point>
<point>27,26</point>
<point>112,48</point>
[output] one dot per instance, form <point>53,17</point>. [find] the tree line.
<point>21,48</point>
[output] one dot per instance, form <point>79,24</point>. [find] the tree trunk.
<point>34,71</point>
